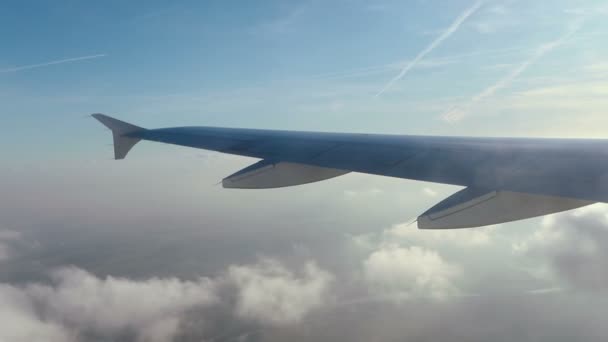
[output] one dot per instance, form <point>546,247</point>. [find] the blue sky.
<point>88,230</point>
<point>308,65</point>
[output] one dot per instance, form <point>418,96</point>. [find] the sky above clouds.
<point>151,249</point>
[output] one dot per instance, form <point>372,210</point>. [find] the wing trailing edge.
<point>267,174</point>
<point>477,207</point>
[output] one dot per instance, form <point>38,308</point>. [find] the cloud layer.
<point>391,284</point>
<point>77,305</point>
<point>271,294</point>
<point>404,273</point>
<point>574,248</point>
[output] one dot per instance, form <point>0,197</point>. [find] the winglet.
<point>120,132</point>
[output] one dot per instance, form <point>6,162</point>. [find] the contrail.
<point>445,35</point>
<point>61,61</point>
<point>456,114</point>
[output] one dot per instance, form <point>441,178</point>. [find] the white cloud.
<point>555,229</point>
<point>481,236</point>
<point>493,19</point>
<point>544,237</point>
<point>78,303</point>
<point>576,89</point>
<point>271,294</point>
<point>444,35</point>
<point>60,61</point>
<point>572,247</point>
<point>113,304</point>
<point>21,322</point>
<point>458,113</point>
<point>409,272</point>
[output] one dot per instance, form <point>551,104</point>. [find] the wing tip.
<point>120,130</point>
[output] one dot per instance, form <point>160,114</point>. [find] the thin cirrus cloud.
<point>445,35</point>
<point>45,64</point>
<point>458,113</point>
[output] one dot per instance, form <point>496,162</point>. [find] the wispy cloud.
<point>434,62</point>
<point>282,24</point>
<point>59,61</point>
<point>458,113</point>
<point>445,35</point>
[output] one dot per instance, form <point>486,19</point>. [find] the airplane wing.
<point>505,179</point>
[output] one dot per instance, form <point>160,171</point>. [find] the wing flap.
<point>477,207</point>
<point>267,174</point>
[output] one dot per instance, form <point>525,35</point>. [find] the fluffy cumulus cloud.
<point>271,294</point>
<point>406,272</point>
<point>573,245</point>
<point>78,305</point>
<point>21,322</point>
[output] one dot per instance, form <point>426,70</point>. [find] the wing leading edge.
<point>506,178</point>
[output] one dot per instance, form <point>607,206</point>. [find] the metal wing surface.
<point>538,172</point>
